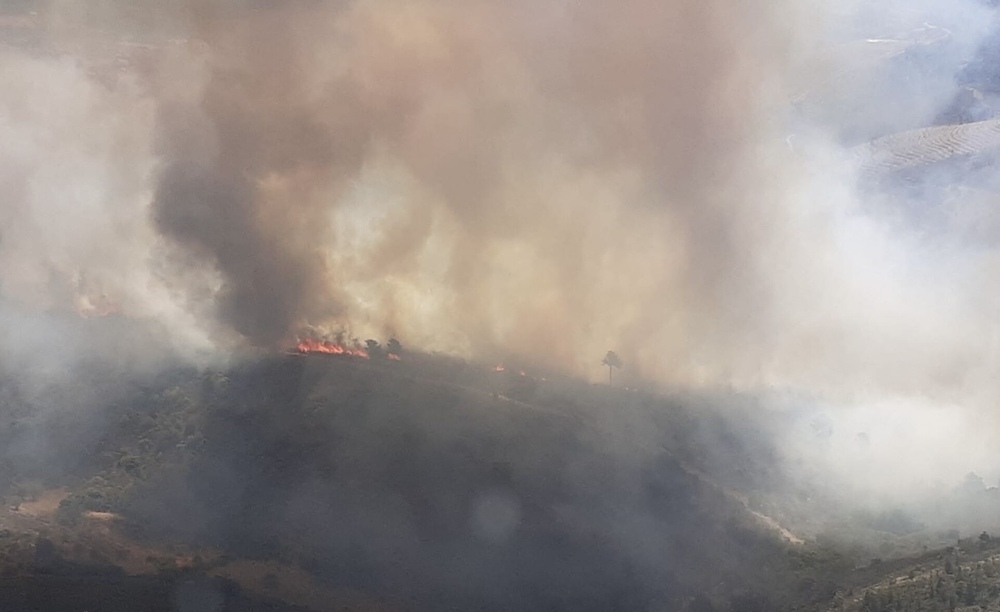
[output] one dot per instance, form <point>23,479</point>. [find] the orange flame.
<point>500,368</point>
<point>393,357</point>
<point>329,348</point>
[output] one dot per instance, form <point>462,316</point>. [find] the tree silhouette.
<point>373,348</point>
<point>394,347</point>
<point>612,360</point>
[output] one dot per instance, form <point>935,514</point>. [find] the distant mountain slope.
<point>962,577</point>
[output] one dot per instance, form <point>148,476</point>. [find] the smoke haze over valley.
<point>746,201</point>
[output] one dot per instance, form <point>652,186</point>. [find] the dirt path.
<point>769,522</point>
<point>775,526</point>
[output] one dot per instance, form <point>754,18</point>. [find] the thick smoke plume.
<point>672,180</point>
<point>558,179</point>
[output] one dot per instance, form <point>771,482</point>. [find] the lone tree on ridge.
<point>612,360</point>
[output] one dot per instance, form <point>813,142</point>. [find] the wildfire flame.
<point>329,348</point>
<point>393,357</point>
<point>501,368</point>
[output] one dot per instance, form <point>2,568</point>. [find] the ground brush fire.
<point>329,348</point>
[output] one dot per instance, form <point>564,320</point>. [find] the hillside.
<point>336,482</point>
<point>430,481</point>
<point>961,577</point>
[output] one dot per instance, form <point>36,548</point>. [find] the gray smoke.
<point>245,196</point>
<point>677,181</point>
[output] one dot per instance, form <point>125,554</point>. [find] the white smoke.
<point>676,182</point>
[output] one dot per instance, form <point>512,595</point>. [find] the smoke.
<point>676,181</point>
<point>478,179</point>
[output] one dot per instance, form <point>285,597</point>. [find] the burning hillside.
<point>326,347</point>
<point>195,197</point>
<point>371,349</point>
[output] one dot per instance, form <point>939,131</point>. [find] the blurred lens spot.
<point>495,515</point>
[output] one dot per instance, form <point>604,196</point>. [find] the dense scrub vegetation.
<point>431,481</point>
<point>963,577</point>
<point>446,484</point>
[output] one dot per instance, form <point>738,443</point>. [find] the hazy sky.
<point>674,181</point>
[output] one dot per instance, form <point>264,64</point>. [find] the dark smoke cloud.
<point>247,200</point>
<point>566,176</point>
<point>671,180</point>
<point>501,121</point>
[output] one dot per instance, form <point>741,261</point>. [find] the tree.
<point>612,360</point>
<point>373,348</point>
<point>393,347</point>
